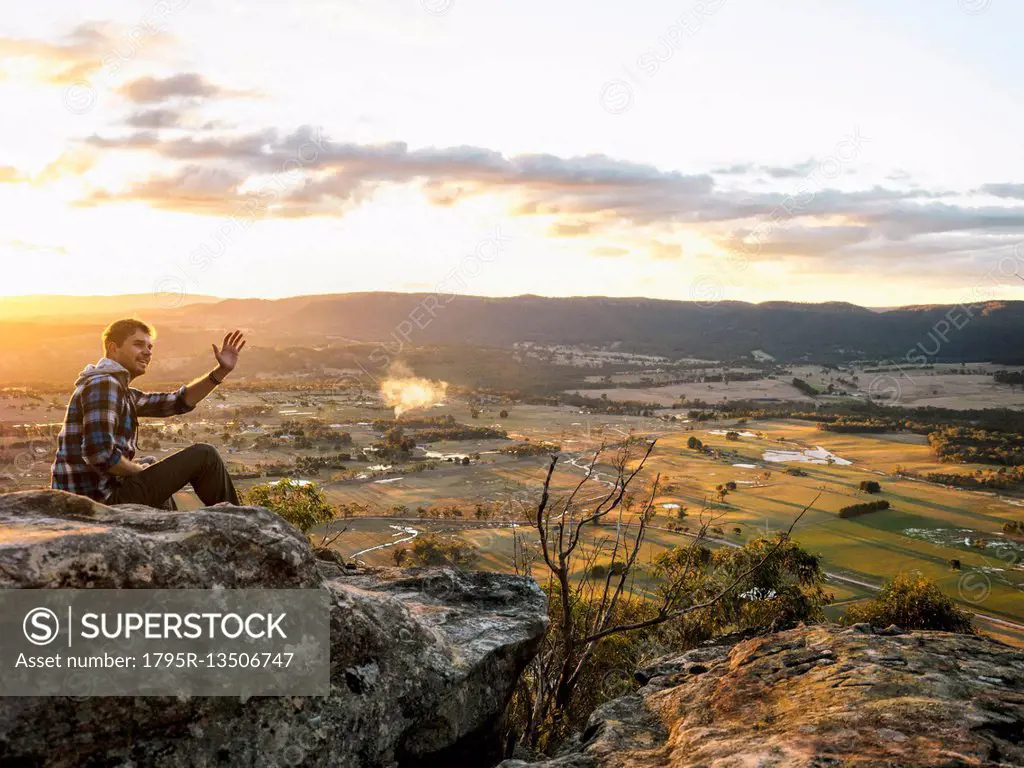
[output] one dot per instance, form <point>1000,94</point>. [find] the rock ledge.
<point>422,662</point>
<point>817,696</point>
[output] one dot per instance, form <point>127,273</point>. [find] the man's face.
<point>134,354</point>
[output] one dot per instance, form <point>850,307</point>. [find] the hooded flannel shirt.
<point>101,425</point>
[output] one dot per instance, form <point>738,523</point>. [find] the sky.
<point>694,150</point>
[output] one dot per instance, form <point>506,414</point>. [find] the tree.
<point>304,506</point>
<point>911,601</point>
<point>870,486</point>
<point>598,622</point>
<point>503,414</point>
<point>435,549</point>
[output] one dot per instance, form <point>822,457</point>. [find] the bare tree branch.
<point>708,603</point>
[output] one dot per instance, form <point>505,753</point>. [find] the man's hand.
<point>126,468</point>
<point>227,355</point>
<point>227,359</point>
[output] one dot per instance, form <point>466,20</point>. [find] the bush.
<point>805,388</point>
<point>694,444</point>
<point>304,506</point>
<point>910,601</point>
<point>855,510</point>
<point>1015,528</point>
<point>870,486</point>
<point>436,550</point>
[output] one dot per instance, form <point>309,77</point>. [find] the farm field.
<point>927,526</point>
<point>941,386</point>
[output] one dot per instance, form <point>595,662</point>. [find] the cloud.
<point>88,50</point>
<point>69,59</point>
<point>157,90</point>
<point>193,189</point>
<point>74,162</point>
<point>56,250</point>
<point>304,174</point>
<point>797,171</point>
<point>665,251</point>
<point>571,228</point>
<point>11,175</point>
<point>794,240</point>
<point>608,251</point>
<point>1012,191</point>
<point>155,118</point>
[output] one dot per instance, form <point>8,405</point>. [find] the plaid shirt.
<point>101,425</point>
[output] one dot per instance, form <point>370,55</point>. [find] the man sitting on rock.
<point>96,447</point>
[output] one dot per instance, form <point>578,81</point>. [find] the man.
<point>96,447</point>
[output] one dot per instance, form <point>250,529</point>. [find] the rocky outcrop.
<point>422,662</point>
<point>817,696</point>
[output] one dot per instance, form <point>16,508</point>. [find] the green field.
<point>926,526</point>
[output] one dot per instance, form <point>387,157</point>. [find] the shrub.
<point>304,506</point>
<point>855,510</point>
<point>870,486</point>
<point>732,435</point>
<point>910,601</point>
<point>694,444</point>
<point>805,388</point>
<point>437,550</point>
<point>1015,528</point>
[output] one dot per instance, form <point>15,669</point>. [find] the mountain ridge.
<point>791,332</point>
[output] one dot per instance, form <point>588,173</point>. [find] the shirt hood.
<point>105,367</point>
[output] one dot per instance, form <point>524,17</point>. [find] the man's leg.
<point>199,464</point>
<point>170,504</point>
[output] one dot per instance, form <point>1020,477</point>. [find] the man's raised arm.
<point>187,397</point>
<point>227,359</point>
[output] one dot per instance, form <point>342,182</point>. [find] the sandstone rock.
<point>422,662</point>
<point>817,696</point>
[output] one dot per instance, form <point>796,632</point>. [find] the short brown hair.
<point>119,330</point>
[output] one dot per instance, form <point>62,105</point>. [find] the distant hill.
<point>790,332</point>
<point>728,330</point>
<point>42,305</point>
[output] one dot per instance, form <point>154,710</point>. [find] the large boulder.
<point>817,697</point>
<point>422,662</point>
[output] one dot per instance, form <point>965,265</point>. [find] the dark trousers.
<point>199,464</point>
